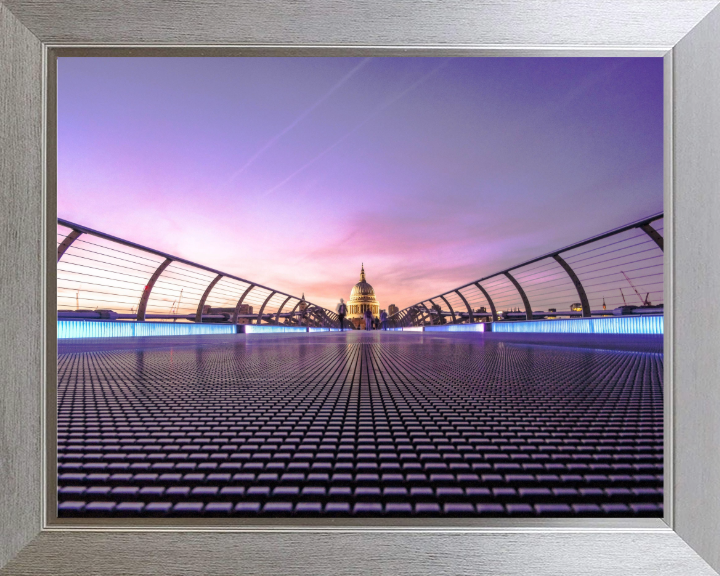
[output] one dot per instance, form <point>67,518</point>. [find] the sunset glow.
<point>291,172</point>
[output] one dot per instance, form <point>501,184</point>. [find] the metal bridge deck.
<point>360,424</point>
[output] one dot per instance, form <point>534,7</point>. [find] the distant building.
<point>362,297</point>
<point>575,307</point>
<point>245,310</point>
<point>392,309</point>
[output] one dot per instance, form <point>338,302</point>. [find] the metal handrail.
<point>79,229</point>
<point>424,313</point>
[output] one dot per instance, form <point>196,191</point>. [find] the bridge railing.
<point>618,272</point>
<point>105,277</point>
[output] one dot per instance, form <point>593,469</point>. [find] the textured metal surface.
<point>21,273</point>
<point>638,23</point>
<point>696,172</point>
<point>358,424</point>
<point>397,554</point>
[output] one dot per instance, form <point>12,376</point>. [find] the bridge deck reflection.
<point>361,424</point>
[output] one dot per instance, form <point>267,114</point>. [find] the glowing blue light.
<point>255,329</point>
<point>456,328</point>
<point>613,325</point>
<point>412,329</point>
<point>90,329</point>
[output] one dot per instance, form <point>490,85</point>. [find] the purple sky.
<point>292,171</point>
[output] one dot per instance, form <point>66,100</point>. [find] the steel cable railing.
<point>104,277</point>
<point>616,273</point>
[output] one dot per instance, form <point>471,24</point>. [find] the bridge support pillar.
<point>142,306</point>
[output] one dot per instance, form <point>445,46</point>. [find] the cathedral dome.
<point>362,297</point>
<point>362,290</point>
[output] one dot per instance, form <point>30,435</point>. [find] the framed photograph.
<point>612,115</point>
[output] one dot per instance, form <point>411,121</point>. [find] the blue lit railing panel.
<point>255,329</point>
<point>89,329</point>
<point>456,328</point>
<point>412,329</point>
<point>614,325</point>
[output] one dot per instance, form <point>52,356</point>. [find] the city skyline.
<point>292,172</point>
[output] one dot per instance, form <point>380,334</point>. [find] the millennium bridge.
<point>536,391</point>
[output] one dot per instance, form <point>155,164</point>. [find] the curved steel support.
<point>201,304</point>
<point>578,286</point>
<point>292,312</point>
<point>234,318</point>
<point>262,308</point>
<point>327,319</point>
<point>277,316</point>
<point>318,313</point>
<point>425,313</point>
<point>333,318</point>
<point>452,312</point>
<point>68,240</point>
<point>148,288</point>
<point>312,315</point>
<point>431,316</point>
<point>470,314</point>
<point>654,234</point>
<point>428,316</point>
<point>489,301</point>
<point>526,302</point>
<point>407,318</point>
<point>417,318</point>
<point>440,316</point>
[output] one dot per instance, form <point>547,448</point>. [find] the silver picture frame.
<point>685,33</point>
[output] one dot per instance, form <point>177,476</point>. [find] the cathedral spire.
<point>362,273</point>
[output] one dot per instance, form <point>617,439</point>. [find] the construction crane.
<point>644,302</point>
